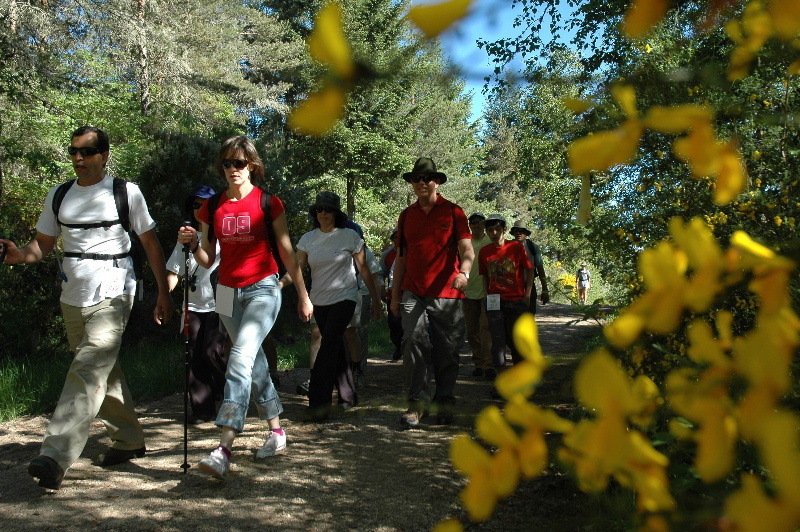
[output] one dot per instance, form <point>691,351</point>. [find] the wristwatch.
<point>465,274</point>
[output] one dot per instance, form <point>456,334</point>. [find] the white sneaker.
<point>274,444</point>
<point>217,464</point>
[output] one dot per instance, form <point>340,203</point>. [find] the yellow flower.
<point>624,330</point>
<point>526,339</point>
<point>467,456</point>
<point>604,150</point>
<point>785,18</point>
<point>494,429</point>
<point>327,43</point>
<point>602,385</point>
<point>751,510</point>
<point>577,106</point>
<point>704,348</point>
<point>434,19</point>
<point>319,112</point>
<point>533,454</point>
<point>449,525</point>
<point>677,119</point>
<point>731,175</point>
<point>642,16</point>
<point>478,497</point>
<point>778,221</point>
<point>585,200</point>
<point>504,472</point>
<point>778,445</point>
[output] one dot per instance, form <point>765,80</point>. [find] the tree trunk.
<point>144,68</point>
<point>351,195</point>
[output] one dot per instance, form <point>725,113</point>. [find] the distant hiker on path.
<point>583,281</point>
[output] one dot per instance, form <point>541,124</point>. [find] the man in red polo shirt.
<point>431,269</point>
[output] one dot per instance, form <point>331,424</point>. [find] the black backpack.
<point>266,208</point>
<point>123,218</point>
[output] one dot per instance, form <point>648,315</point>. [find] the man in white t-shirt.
<point>96,299</point>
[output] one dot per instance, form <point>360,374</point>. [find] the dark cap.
<point>425,165</point>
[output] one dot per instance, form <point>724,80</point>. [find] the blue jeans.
<point>255,308</point>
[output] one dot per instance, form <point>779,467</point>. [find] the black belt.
<point>95,256</point>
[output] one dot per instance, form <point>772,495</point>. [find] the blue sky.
<point>490,21</point>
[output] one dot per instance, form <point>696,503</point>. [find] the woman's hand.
<point>188,235</point>
<point>305,309</point>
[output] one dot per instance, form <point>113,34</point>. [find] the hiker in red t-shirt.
<point>508,279</point>
<point>432,267</point>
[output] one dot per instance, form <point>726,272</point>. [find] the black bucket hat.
<point>425,165</point>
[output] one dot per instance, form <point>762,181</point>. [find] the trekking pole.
<point>186,283</point>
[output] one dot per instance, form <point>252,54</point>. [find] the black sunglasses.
<point>236,163</point>
<point>324,209</point>
<point>475,221</point>
<point>425,178</point>
<point>86,151</point>
<point>197,205</point>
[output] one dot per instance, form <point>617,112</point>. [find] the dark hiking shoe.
<point>47,471</point>
<point>117,456</point>
<point>302,388</point>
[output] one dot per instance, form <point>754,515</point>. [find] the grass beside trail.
<point>31,385</point>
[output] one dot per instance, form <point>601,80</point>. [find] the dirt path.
<point>359,471</point>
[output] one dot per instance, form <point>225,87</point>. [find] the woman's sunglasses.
<point>236,163</point>
<point>86,151</point>
<point>324,209</point>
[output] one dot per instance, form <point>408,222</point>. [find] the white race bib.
<point>224,300</point>
<point>112,283</point>
<point>493,302</point>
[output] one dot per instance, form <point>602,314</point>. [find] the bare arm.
<point>155,256</point>
<point>530,275</point>
<point>366,276</point>
<point>172,280</point>
<point>304,307</point>
<point>467,258</point>
<point>33,251</point>
<point>399,275</point>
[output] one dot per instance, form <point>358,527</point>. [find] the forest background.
<point>170,80</point>
<point>710,336</point>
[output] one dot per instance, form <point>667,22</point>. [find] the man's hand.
<point>460,282</point>
<point>10,252</point>
<point>163,311</point>
<point>545,297</point>
<point>377,310</point>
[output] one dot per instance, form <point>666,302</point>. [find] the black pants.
<point>207,362</point>
<point>395,329</point>
<point>332,366</point>
<point>501,325</point>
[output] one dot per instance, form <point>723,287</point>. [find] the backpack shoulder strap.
<point>266,208</point>
<point>121,202</point>
<point>401,228</point>
<point>213,203</point>
<point>58,197</point>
